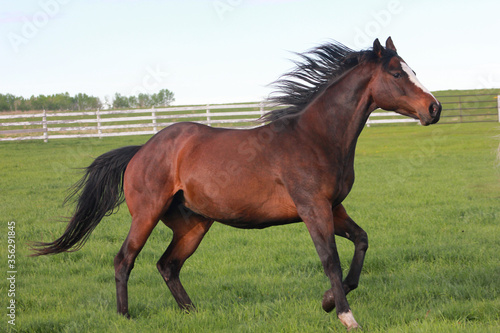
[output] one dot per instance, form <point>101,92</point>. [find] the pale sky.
<point>223,51</point>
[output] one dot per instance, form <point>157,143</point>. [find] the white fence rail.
<point>394,118</point>
<point>59,125</point>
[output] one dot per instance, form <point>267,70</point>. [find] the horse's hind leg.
<point>188,231</point>
<point>140,230</point>
<point>347,228</point>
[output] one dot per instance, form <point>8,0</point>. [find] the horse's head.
<point>395,87</point>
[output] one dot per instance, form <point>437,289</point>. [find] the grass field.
<point>429,198</point>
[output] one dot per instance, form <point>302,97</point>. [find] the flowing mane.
<point>317,69</point>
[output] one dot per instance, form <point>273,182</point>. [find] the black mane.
<point>317,69</point>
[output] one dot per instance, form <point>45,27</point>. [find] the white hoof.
<point>347,319</point>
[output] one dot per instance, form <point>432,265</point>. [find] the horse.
<point>298,166</point>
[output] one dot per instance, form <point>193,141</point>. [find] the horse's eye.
<point>397,75</point>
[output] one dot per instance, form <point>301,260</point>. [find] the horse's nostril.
<point>434,108</point>
<point>435,112</point>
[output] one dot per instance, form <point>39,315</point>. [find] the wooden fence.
<point>99,123</point>
<point>108,123</point>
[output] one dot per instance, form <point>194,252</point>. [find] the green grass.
<point>427,196</point>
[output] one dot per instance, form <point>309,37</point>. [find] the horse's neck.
<point>340,113</point>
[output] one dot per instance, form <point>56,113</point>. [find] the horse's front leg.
<point>319,222</point>
<point>346,227</point>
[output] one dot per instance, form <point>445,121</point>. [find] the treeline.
<point>163,98</point>
<point>9,102</point>
<point>82,102</point>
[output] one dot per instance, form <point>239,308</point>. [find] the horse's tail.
<point>98,194</point>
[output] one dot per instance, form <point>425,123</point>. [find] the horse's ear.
<point>390,45</point>
<point>378,48</point>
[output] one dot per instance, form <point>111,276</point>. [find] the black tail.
<point>102,192</point>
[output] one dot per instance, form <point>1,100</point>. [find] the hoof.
<point>188,308</point>
<point>126,315</point>
<point>347,319</point>
<point>328,303</point>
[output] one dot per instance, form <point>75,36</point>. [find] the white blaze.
<point>413,78</point>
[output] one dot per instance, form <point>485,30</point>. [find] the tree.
<point>120,102</point>
<point>107,103</point>
<point>4,104</point>
<point>144,100</point>
<point>86,102</point>
<point>132,102</point>
<point>39,102</point>
<point>11,101</point>
<point>163,98</point>
<point>23,104</point>
<point>62,102</point>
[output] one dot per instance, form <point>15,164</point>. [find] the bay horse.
<point>298,166</point>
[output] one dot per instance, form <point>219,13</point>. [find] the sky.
<point>225,51</point>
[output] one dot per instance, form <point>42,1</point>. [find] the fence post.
<point>460,108</point>
<point>261,109</point>
<point>98,116</point>
<point>498,106</point>
<point>44,125</point>
<point>209,119</point>
<point>153,114</point>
